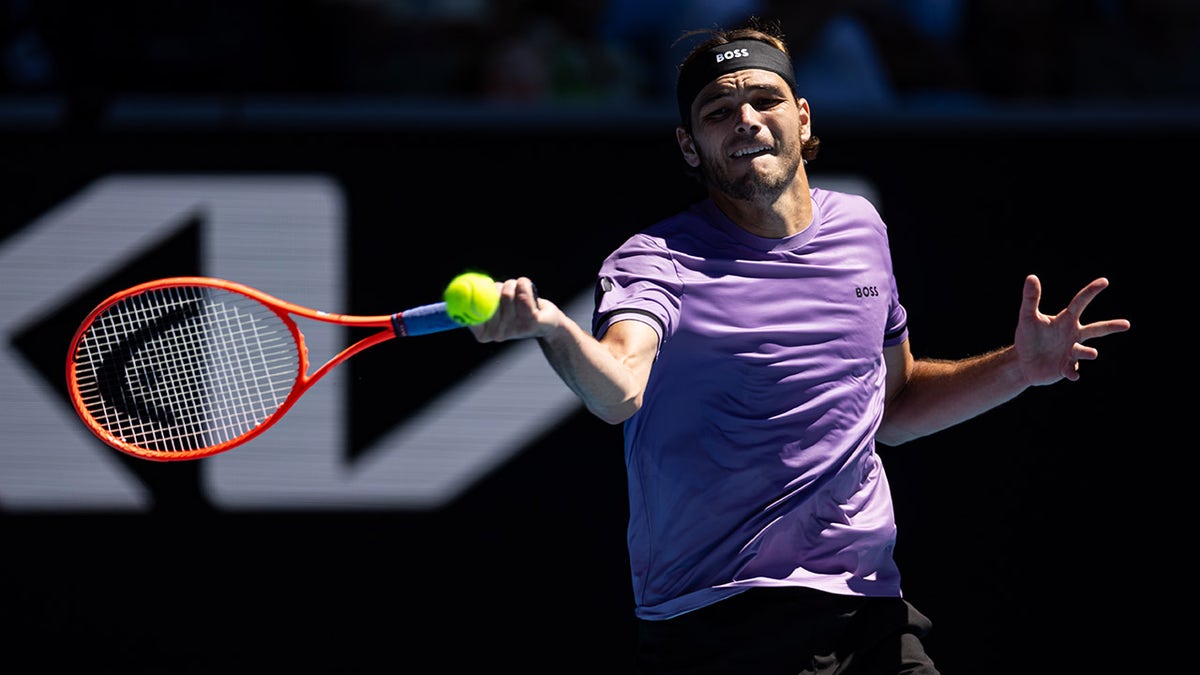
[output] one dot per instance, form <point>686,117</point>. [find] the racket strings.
<point>185,368</point>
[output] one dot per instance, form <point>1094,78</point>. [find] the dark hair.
<point>755,29</point>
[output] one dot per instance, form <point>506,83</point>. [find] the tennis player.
<point>755,348</point>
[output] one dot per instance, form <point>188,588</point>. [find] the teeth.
<point>750,151</point>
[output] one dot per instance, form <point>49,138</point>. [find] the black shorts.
<point>797,631</point>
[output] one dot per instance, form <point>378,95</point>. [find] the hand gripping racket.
<point>187,367</point>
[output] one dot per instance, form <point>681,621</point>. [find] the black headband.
<point>726,58</point>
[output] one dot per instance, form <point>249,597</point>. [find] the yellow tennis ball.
<point>471,298</point>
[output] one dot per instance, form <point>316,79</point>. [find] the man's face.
<point>747,134</point>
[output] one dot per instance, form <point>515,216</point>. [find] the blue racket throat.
<point>423,320</point>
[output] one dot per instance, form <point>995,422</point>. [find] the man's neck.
<point>771,217</point>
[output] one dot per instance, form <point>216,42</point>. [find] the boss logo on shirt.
<point>866,292</point>
<point>732,54</point>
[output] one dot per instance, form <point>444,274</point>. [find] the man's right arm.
<point>609,376</point>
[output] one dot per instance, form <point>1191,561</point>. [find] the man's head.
<point>737,100</point>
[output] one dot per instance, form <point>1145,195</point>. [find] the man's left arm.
<point>927,395</point>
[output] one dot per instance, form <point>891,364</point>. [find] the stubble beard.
<point>753,184</point>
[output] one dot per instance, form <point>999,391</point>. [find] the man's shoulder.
<point>829,199</point>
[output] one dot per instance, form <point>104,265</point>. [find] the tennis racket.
<point>187,367</point>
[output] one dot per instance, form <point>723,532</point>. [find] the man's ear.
<point>805,119</point>
<point>687,146</point>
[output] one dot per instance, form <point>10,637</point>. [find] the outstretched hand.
<point>1049,348</point>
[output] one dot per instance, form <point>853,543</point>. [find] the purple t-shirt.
<point>752,460</point>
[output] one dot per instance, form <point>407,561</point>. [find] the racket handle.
<point>423,320</point>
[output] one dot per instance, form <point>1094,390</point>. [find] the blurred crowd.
<point>848,52</point>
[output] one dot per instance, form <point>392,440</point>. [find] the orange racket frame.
<point>130,378</point>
